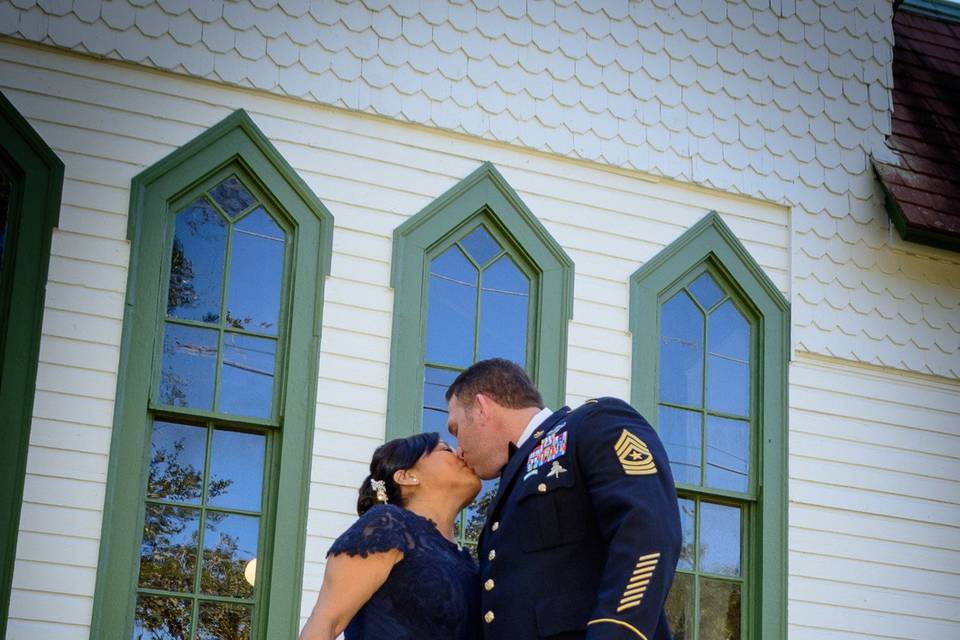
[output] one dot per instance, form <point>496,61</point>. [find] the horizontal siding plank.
<point>856,430</point>
<point>72,380</point>
<point>71,298</point>
<point>18,629</point>
<point>915,508</point>
<point>71,408</point>
<point>62,463</point>
<point>51,607</point>
<point>54,578</point>
<point>870,526</point>
<point>877,624</point>
<point>910,555</point>
<point>74,353</point>
<point>63,490</point>
<point>58,549</point>
<point>70,436</point>
<point>72,325</point>
<point>95,276</point>
<point>885,600</point>
<point>351,420</point>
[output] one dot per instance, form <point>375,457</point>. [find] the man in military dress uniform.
<point>582,538</point>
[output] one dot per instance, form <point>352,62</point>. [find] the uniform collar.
<point>517,455</point>
<point>535,422</point>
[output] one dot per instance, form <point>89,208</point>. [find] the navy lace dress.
<point>433,593</point>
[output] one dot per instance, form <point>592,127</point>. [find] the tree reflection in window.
<point>204,492</point>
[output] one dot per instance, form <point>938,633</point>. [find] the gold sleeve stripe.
<point>640,587</point>
<point>639,579</point>
<point>619,622</point>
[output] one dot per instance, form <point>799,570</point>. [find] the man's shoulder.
<point>606,406</point>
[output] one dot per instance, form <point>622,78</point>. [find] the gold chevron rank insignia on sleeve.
<point>634,455</point>
<point>639,579</point>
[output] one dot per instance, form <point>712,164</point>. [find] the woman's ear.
<point>404,478</point>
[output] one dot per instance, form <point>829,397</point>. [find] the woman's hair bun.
<point>396,455</point>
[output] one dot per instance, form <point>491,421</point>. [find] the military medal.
<point>556,470</point>
<point>549,449</point>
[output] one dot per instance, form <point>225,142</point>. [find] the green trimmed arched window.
<point>209,451</point>
<point>710,352</point>
<point>476,276</point>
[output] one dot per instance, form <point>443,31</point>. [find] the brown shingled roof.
<point>923,190</point>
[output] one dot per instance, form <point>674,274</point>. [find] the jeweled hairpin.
<point>380,487</point>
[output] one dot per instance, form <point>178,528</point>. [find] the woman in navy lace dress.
<point>397,573</point>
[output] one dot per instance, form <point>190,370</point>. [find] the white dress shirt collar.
<point>535,422</point>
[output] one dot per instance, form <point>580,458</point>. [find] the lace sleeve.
<point>382,528</point>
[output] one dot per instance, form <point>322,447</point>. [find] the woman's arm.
<point>348,583</point>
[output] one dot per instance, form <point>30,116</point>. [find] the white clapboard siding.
<point>874,504</point>
<point>109,121</point>
<point>372,174</point>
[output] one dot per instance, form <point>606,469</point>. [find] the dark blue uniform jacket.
<point>582,539</point>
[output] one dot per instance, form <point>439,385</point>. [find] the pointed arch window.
<point>711,334</point>
<point>476,276</point>
<point>207,459</point>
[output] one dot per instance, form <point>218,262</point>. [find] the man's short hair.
<point>501,380</point>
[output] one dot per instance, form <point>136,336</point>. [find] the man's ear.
<point>404,478</point>
<point>483,404</point>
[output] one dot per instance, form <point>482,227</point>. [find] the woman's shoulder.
<point>381,528</point>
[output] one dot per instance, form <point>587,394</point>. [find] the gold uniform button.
<point>541,487</point>
<point>488,617</point>
<point>492,554</point>
<point>495,526</point>
<point>489,585</point>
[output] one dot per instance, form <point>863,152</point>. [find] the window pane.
<point>480,245</point>
<point>719,610</point>
<point>223,622</point>
<point>729,367</point>
<point>503,312</point>
<point>681,352</point>
<point>729,386</point>
<point>229,543</point>
<point>435,384</point>
<point>232,196</point>
<point>680,432</point>
<point>246,381</point>
<point>475,515</point>
<point>728,453</point>
<point>719,539</point>
<point>256,273</point>
<point>189,365</point>
<point>706,291</point>
<point>687,526</point>
<point>452,309</point>
<point>160,618</point>
<point>679,607</point>
<point>196,263</point>
<point>168,551</point>
<point>236,470</point>
<point>176,462</point>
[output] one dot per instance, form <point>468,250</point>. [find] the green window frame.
<point>35,177</point>
<point>710,247</point>
<point>484,198</point>
<point>234,147</point>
